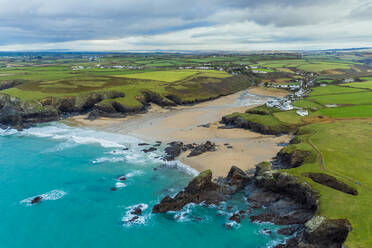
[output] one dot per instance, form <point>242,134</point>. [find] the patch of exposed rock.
<point>20,114</point>
<point>202,148</point>
<point>292,159</point>
<point>288,201</point>
<point>331,182</point>
<point>237,121</point>
<point>203,189</point>
<point>175,148</point>
<point>200,189</point>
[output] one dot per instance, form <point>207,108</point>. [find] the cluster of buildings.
<point>299,91</point>
<point>200,68</point>
<point>79,67</point>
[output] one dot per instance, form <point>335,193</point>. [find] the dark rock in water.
<point>173,150</point>
<point>331,182</point>
<point>200,149</point>
<point>155,169</point>
<point>299,217</point>
<point>196,218</point>
<point>236,218</point>
<point>121,178</point>
<point>143,144</point>
<point>290,243</point>
<point>200,189</point>
<point>158,141</point>
<point>255,205</point>
<point>157,145</point>
<point>113,189</point>
<point>133,219</point>
<point>266,231</point>
<point>125,149</point>
<point>242,212</point>
<point>136,211</point>
<point>287,231</point>
<point>36,199</point>
<point>151,149</point>
<point>228,225</point>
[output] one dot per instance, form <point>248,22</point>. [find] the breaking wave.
<point>49,196</point>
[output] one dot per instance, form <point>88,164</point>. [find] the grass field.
<point>187,85</point>
<point>165,76</point>
<point>364,85</point>
<point>303,103</point>
<point>290,117</point>
<point>351,98</point>
<point>343,151</point>
<point>310,65</point>
<point>332,89</point>
<point>359,111</point>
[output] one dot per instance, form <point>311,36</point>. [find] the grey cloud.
<point>38,21</point>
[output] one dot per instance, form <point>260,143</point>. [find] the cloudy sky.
<point>184,25</point>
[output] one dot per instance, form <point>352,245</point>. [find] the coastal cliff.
<point>283,198</point>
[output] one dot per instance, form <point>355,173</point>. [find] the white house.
<point>302,112</point>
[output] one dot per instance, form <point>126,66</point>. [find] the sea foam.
<point>130,219</point>
<point>48,196</point>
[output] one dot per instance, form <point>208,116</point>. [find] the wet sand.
<point>238,147</point>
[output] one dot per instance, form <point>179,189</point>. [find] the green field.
<point>306,65</point>
<point>359,111</point>
<point>290,117</point>
<point>343,150</point>
<point>363,85</point>
<point>184,85</point>
<point>332,89</point>
<point>307,104</point>
<point>351,98</point>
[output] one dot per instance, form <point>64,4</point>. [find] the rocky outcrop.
<point>292,159</point>
<point>200,189</point>
<point>36,199</point>
<point>153,97</point>
<point>20,114</point>
<point>203,189</point>
<point>322,232</point>
<point>84,102</point>
<point>287,185</point>
<point>202,148</point>
<point>237,178</point>
<point>288,201</point>
<point>173,150</point>
<point>331,182</point>
<point>237,121</point>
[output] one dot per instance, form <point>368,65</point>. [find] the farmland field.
<point>344,149</point>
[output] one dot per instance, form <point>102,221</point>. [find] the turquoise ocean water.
<point>75,168</point>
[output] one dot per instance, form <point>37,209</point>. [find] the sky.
<point>228,25</point>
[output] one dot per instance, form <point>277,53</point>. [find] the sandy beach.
<point>238,147</point>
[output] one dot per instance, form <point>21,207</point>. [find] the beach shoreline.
<point>197,124</point>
